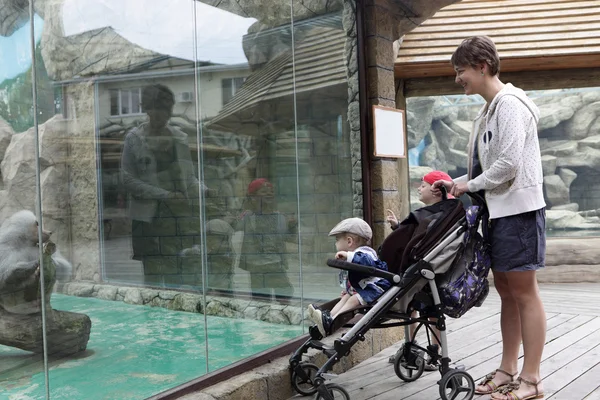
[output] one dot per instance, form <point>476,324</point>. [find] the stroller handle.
<point>348,266</point>
<point>444,192</point>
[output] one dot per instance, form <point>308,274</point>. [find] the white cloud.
<point>164,26</point>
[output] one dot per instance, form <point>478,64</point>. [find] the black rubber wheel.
<point>335,391</point>
<point>303,386</point>
<point>457,385</point>
<point>411,369</point>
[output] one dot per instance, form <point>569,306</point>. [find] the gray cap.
<point>356,226</point>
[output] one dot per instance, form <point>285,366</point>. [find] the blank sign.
<point>389,132</point>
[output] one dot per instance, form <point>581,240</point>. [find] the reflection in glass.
<point>191,189</point>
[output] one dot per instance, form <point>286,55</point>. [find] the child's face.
<point>344,242</point>
<point>425,194</point>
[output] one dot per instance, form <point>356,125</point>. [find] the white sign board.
<point>389,132</point>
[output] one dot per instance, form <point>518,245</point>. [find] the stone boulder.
<point>567,207</point>
<point>549,165</point>
<point>578,127</point>
<point>559,148</point>
<point>19,170</point>
<point>13,15</point>
<point>419,118</point>
<point>552,114</point>
<point>555,190</point>
<point>586,157</point>
<point>591,141</point>
<point>564,219</point>
<point>6,134</point>
<point>567,176</point>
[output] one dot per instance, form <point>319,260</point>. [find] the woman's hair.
<point>475,51</point>
<point>157,97</point>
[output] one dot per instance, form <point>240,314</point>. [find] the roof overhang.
<point>531,35</point>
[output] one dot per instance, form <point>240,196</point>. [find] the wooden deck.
<point>570,365</point>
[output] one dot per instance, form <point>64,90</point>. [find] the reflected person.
<point>263,252</point>
<point>160,179</point>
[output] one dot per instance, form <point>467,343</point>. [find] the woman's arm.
<point>514,120</point>
<point>129,174</point>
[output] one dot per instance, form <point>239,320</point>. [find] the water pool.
<point>135,352</point>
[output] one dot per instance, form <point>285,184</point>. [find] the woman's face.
<point>159,117</point>
<point>469,78</point>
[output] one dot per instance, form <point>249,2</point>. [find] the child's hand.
<point>391,218</point>
<point>344,293</point>
<point>341,255</point>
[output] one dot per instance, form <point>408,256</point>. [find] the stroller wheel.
<point>409,365</point>
<point>336,392</point>
<point>304,385</point>
<point>457,385</point>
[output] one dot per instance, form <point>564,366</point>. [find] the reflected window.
<point>125,101</point>
<point>230,86</point>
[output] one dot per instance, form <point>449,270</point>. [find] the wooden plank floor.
<point>570,365</point>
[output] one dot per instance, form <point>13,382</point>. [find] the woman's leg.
<point>524,288</point>
<point>510,327</point>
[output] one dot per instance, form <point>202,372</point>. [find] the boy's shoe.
<point>321,318</point>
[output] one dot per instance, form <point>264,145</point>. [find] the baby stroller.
<point>436,251</point>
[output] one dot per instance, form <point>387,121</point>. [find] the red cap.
<point>434,176</point>
<point>257,184</point>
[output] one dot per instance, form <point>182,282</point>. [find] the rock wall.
<point>569,134</point>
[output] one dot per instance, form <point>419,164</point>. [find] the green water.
<point>135,352</point>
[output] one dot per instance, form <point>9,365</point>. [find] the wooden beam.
<point>527,80</point>
<point>537,64</point>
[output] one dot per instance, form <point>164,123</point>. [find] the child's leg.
<point>350,303</point>
<point>336,309</point>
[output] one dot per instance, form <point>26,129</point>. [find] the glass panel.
<point>568,130</point>
<point>21,344</point>
<point>190,172</point>
<point>325,56</point>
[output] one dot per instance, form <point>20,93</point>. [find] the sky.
<point>164,26</point>
<point>15,50</point>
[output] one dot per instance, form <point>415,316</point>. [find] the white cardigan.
<point>509,154</point>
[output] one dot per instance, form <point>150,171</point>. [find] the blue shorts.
<point>518,242</point>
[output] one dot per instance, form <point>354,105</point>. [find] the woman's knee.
<point>523,286</point>
<point>502,286</point>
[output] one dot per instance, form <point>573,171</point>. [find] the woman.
<point>158,173</point>
<point>505,163</point>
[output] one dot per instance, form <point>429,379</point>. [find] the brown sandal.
<point>508,390</point>
<point>491,386</point>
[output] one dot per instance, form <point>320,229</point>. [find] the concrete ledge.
<point>185,301</point>
<point>272,381</point>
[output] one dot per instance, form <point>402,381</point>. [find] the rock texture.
<point>569,132</point>
<point>190,302</point>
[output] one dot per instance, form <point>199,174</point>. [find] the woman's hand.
<point>459,189</point>
<point>435,188</point>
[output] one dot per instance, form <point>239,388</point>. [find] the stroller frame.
<point>378,316</point>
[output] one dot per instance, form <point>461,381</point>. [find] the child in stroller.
<point>437,266</point>
<point>352,237</point>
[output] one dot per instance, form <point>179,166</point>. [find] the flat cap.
<point>356,226</point>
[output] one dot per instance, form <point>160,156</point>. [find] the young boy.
<point>352,237</point>
<point>425,194</point>
<point>429,198</point>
